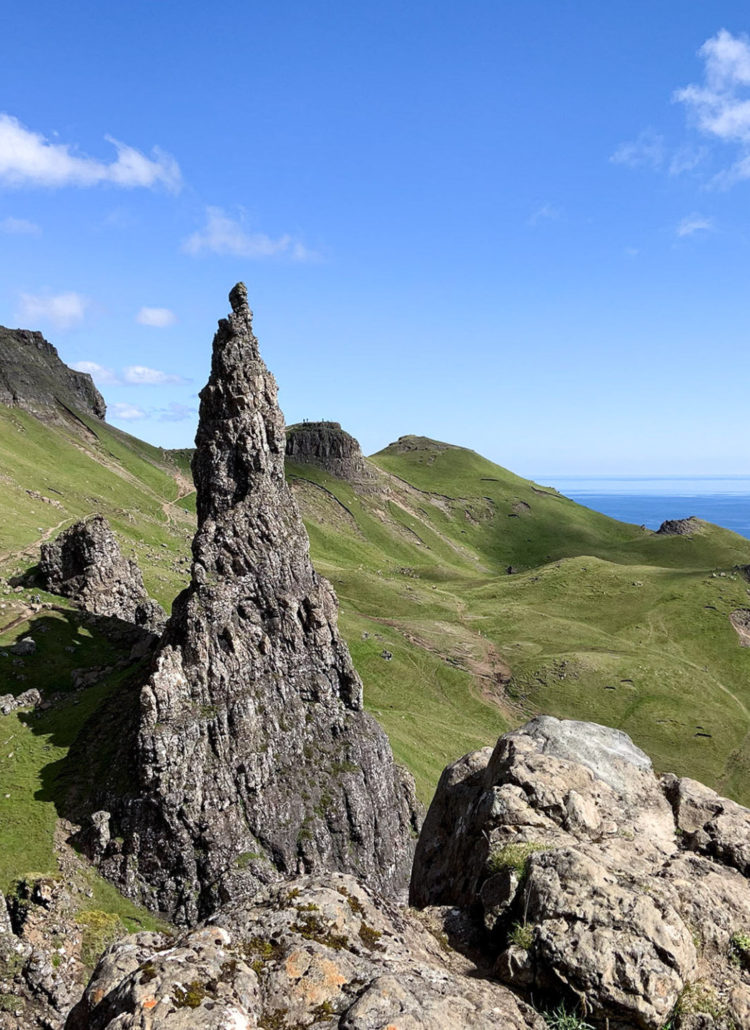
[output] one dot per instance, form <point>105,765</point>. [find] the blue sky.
<point>519,226</point>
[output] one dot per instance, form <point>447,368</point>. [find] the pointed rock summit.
<point>254,756</point>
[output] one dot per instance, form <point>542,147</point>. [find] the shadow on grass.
<point>95,722</point>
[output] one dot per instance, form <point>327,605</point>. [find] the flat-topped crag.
<point>254,756</point>
<point>33,377</point>
<point>330,447</point>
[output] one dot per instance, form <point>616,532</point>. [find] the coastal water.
<point>648,501</point>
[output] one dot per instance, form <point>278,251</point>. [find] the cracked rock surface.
<point>314,952</point>
<point>588,878</point>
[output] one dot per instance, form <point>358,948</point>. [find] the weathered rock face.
<point>254,756</point>
<point>313,952</point>
<point>33,377</point>
<point>589,879</point>
<point>679,527</point>
<point>41,975</point>
<point>327,445</point>
<point>86,564</point>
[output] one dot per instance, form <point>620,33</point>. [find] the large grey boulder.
<point>254,757</point>
<point>589,879</point>
<point>85,563</point>
<point>315,952</point>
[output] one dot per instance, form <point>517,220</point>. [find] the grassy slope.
<point>138,488</point>
<point>602,620</point>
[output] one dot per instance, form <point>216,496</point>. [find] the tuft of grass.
<point>739,949</point>
<point>100,929</point>
<point>699,998</point>
<point>515,857</point>
<point>522,935</point>
<point>561,1019</point>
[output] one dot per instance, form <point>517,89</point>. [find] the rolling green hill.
<point>598,619</point>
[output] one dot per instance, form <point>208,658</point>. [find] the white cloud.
<point>127,412</point>
<point>62,310</point>
<point>720,105</point>
<point>647,151</point>
<point>159,318</point>
<point>224,235</point>
<point>19,227</point>
<point>141,375</point>
<point>694,223</point>
<point>103,376</point>
<point>175,412</point>
<point>545,213</point>
<point>28,159</point>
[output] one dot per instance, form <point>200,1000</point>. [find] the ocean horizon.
<point>650,500</point>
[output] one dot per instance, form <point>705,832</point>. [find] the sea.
<point>649,500</point>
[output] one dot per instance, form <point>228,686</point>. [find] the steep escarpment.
<point>330,447</point>
<point>254,757</point>
<point>33,377</point>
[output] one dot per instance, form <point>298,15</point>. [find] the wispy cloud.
<point>19,227</point>
<point>647,151</point>
<point>176,412</point>
<point>127,412</point>
<point>159,318</point>
<point>692,224</point>
<point>27,158</point>
<point>61,310</point>
<point>720,105</point>
<point>142,375</point>
<point>224,235</point>
<point>545,213</point>
<point>103,376</point>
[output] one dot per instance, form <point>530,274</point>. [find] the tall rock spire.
<point>254,756</point>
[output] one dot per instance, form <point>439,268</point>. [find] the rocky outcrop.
<point>254,755</point>
<point>85,563</point>
<point>315,952</point>
<point>41,974</point>
<point>33,377</point>
<point>679,527</point>
<point>590,880</point>
<point>328,446</point>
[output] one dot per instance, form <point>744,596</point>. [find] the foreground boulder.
<point>589,879</point>
<point>313,952</point>
<point>254,757</point>
<point>85,563</point>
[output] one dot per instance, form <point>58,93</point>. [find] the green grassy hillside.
<point>599,620</point>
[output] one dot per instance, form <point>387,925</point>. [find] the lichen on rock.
<point>627,887</point>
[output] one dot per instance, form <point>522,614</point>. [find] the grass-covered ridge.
<point>598,620</point>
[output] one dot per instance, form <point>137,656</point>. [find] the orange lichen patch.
<point>297,964</point>
<point>321,982</point>
<point>148,1003</point>
<point>97,995</point>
